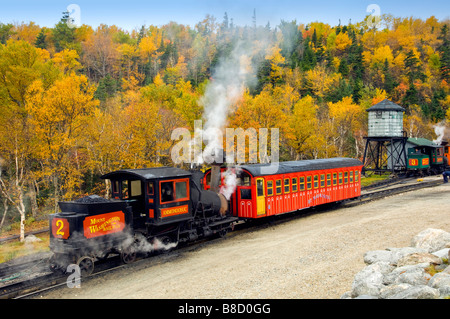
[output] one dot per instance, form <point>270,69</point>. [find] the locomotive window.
<point>316,181</point>
<point>208,179</point>
<point>340,178</point>
<point>125,189</point>
<point>246,193</point>
<point>116,187</point>
<point>246,181</point>
<point>302,183</point>
<point>308,182</point>
<point>136,188</point>
<point>286,186</point>
<point>166,192</point>
<point>328,180</point>
<point>278,186</point>
<point>334,179</point>
<point>259,187</point>
<point>351,176</point>
<point>150,188</point>
<point>269,188</point>
<point>294,184</point>
<point>181,190</point>
<point>322,180</point>
<point>345,177</point>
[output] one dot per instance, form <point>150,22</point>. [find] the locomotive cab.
<point>157,196</point>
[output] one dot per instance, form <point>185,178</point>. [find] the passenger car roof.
<point>303,166</point>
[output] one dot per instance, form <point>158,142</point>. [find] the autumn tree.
<point>20,65</point>
<point>59,116</point>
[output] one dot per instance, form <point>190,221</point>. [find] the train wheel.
<point>222,233</point>
<point>128,255</point>
<point>86,265</point>
<point>55,264</point>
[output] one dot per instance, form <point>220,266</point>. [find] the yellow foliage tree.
<point>344,118</point>
<point>59,117</point>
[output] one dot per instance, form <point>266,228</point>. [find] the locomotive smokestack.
<point>215,170</point>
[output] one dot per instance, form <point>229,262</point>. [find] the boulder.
<point>441,281</point>
<point>369,281</point>
<point>443,253</point>
<point>32,239</point>
<point>387,291</point>
<point>417,292</point>
<point>431,239</point>
<point>417,258</point>
<point>409,274</point>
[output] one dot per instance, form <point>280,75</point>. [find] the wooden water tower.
<point>385,144</point>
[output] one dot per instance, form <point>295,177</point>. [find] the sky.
<point>132,14</point>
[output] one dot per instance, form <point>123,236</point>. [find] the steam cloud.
<point>439,129</point>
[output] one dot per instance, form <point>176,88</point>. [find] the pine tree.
<point>444,50</point>
<point>309,60</point>
<point>40,40</point>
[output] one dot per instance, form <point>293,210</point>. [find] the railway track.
<point>27,279</point>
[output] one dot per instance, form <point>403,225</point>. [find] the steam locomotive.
<point>158,208</point>
<point>428,159</point>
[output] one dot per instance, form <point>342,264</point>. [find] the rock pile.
<point>417,272</point>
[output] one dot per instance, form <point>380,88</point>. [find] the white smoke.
<point>227,85</point>
<point>229,80</point>
<point>439,130</point>
<point>230,182</point>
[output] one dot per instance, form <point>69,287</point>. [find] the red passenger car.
<point>296,185</point>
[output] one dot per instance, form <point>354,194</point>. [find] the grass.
<point>374,178</point>
<point>13,249</point>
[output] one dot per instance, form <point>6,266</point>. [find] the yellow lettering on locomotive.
<point>173,211</point>
<point>104,224</point>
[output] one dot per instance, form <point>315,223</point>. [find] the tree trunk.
<point>34,205</point>
<point>5,211</point>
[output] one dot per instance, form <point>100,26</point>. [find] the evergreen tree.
<point>63,35</point>
<point>309,60</point>
<point>5,32</point>
<point>389,81</point>
<point>444,51</point>
<point>291,44</point>
<point>343,67</point>
<point>40,40</point>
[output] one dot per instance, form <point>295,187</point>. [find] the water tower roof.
<point>386,105</point>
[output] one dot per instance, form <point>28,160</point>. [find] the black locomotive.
<point>151,209</point>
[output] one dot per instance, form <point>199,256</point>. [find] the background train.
<point>427,158</point>
<point>161,207</point>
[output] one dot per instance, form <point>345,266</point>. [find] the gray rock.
<point>369,281</point>
<point>398,253</point>
<point>431,239</point>
<point>443,253</point>
<point>388,291</point>
<point>374,256</point>
<point>441,281</point>
<point>409,274</point>
<point>417,292</point>
<point>417,258</point>
<point>365,297</point>
<point>32,239</point>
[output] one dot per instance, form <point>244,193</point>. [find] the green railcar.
<point>417,160</point>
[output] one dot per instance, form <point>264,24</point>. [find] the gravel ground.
<point>316,256</point>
